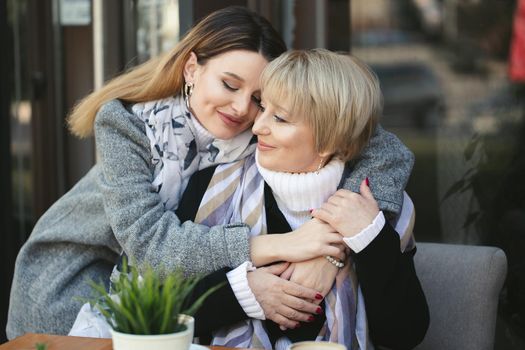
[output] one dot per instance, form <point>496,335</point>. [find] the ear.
<point>190,67</point>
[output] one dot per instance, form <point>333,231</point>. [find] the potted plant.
<point>149,311</point>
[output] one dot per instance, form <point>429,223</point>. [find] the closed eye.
<point>228,86</point>
<point>257,102</point>
<point>279,119</point>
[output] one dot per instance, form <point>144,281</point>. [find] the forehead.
<point>283,101</point>
<point>242,64</point>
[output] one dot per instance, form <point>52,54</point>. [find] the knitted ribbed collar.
<point>202,135</point>
<point>303,191</point>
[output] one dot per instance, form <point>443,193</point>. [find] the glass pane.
<point>444,71</point>
<point>21,122</point>
<point>157,27</point>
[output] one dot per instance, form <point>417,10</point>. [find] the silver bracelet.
<point>337,263</point>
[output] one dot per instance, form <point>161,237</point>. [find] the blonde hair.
<point>338,95</point>
<point>231,28</point>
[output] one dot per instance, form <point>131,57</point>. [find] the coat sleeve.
<point>395,304</point>
<point>145,230</point>
<point>387,163</point>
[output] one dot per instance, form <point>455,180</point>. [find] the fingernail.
<point>367,182</point>
<point>318,296</point>
<point>310,318</point>
<point>319,310</point>
<point>310,210</point>
<point>298,326</point>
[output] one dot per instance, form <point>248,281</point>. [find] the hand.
<point>349,212</point>
<point>317,273</point>
<point>313,239</point>
<point>284,302</point>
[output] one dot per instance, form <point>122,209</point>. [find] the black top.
<point>395,305</point>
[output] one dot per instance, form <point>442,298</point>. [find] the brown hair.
<point>338,96</point>
<point>231,28</point>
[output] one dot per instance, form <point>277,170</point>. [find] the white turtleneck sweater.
<point>295,194</point>
<point>202,137</point>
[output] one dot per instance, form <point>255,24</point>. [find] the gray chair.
<point>462,284</point>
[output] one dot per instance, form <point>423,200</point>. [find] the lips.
<point>264,146</point>
<point>229,119</point>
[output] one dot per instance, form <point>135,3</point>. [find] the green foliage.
<point>41,346</point>
<point>148,303</point>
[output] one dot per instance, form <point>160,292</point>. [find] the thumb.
<point>277,269</point>
<point>364,189</point>
<point>288,272</point>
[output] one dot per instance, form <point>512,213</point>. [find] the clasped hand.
<point>290,293</point>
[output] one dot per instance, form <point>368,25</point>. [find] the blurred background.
<point>452,73</point>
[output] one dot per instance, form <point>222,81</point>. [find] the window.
<point>444,72</point>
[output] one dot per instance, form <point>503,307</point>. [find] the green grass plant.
<point>40,346</point>
<point>149,303</point>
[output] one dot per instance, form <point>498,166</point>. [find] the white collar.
<point>202,136</point>
<point>303,191</point>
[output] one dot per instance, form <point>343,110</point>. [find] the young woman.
<point>155,126</point>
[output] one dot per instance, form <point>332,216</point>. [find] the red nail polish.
<point>318,296</point>
<point>367,182</point>
<point>310,318</point>
<point>310,210</point>
<point>319,310</point>
<point>298,326</point>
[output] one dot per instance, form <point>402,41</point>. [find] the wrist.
<point>361,240</point>
<point>265,249</point>
<point>238,279</point>
<point>336,262</point>
<point>326,265</point>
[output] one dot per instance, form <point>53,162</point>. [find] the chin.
<point>268,165</point>
<point>222,133</point>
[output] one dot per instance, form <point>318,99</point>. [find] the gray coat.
<point>114,207</point>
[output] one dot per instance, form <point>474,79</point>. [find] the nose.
<point>260,126</point>
<point>241,105</point>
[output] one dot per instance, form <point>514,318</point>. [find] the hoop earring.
<point>320,166</point>
<point>187,90</point>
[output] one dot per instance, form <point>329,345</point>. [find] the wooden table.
<point>61,342</point>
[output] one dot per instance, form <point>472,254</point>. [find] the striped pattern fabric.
<point>234,194</point>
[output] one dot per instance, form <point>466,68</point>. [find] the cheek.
<point>253,112</point>
<point>209,93</point>
<point>303,148</point>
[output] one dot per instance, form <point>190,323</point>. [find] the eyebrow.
<point>279,107</point>
<point>235,76</point>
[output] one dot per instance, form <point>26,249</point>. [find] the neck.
<point>296,194</point>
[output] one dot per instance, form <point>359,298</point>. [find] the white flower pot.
<point>316,345</point>
<point>174,341</point>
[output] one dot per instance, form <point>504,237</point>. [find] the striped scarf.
<point>236,194</point>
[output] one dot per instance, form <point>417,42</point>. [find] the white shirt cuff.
<point>369,233</point>
<point>243,293</point>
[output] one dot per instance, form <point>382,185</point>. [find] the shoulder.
<point>118,130</point>
<point>390,147</point>
<point>114,109</point>
<point>116,115</point>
